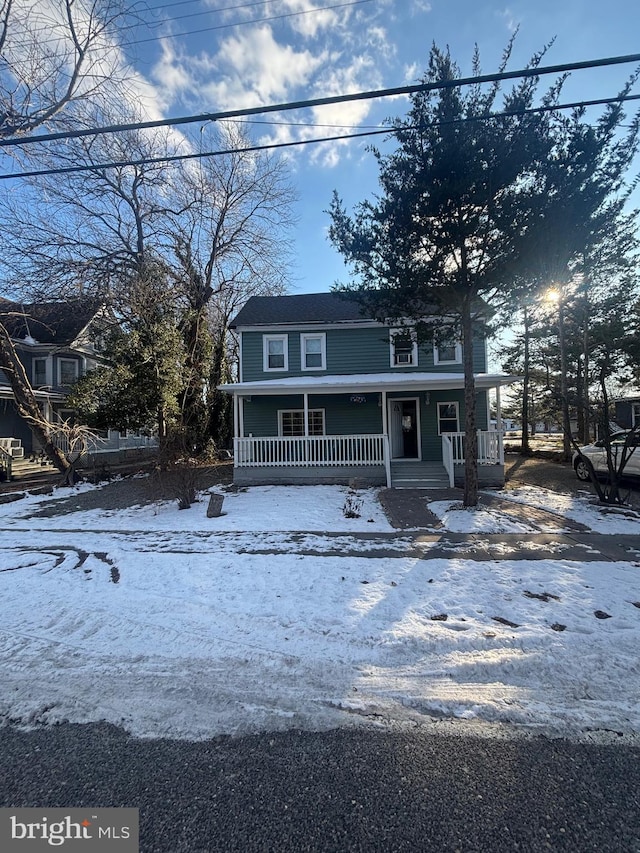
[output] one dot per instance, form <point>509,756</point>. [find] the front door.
<point>404,429</point>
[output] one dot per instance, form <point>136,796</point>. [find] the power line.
<point>319,102</point>
<point>231,25</point>
<point>255,21</point>
<point>300,142</point>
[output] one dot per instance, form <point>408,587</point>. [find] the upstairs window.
<point>313,349</point>
<point>447,352</point>
<point>39,371</point>
<point>404,349</point>
<point>275,352</point>
<point>67,371</point>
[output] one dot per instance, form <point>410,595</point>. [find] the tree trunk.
<point>564,388</point>
<point>586,437</point>
<point>525,448</point>
<point>471,437</point>
<point>26,402</point>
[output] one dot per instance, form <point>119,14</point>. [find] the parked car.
<point>596,453</point>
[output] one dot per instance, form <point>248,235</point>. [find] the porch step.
<point>419,475</point>
<point>23,468</point>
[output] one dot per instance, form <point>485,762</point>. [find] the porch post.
<point>499,427</point>
<point>385,441</point>
<point>498,410</point>
<point>240,416</point>
<point>305,405</point>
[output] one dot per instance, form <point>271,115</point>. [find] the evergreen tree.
<point>443,236</point>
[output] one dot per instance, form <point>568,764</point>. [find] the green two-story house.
<point>327,394</point>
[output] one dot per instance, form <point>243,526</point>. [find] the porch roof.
<point>365,383</point>
<point>6,393</point>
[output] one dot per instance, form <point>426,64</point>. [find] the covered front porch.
<point>417,443</point>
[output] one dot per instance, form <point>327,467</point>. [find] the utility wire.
<point>96,167</point>
<point>64,38</point>
<point>320,102</point>
<point>254,21</point>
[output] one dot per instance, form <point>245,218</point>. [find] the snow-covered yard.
<point>282,613</point>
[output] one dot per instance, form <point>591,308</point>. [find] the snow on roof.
<point>365,382</point>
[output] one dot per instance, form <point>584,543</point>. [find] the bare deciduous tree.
<point>230,242</point>
<point>214,232</point>
<point>52,55</point>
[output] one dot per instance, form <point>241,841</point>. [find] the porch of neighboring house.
<point>411,449</point>
<point>21,453</point>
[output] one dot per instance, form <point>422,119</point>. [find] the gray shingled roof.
<point>57,323</point>
<point>302,308</point>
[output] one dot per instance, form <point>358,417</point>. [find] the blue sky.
<point>200,56</point>
<point>370,45</point>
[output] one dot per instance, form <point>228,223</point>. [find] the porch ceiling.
<point>365,383</point>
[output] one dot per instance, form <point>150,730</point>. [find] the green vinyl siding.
<point>342,417</point>
<point>352,350</point>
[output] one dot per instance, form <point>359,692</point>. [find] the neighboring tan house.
<point>56,343</point>
<point>326,394</point>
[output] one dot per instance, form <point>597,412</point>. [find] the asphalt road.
<point>345,790</point>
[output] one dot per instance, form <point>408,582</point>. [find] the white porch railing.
<point>490,448</point>
<point>309,451</point>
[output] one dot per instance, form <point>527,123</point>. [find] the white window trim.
<point>282,412</point>
<point>458,356</point>
<point>304,337</point>
<point>73,361</point>
<point>448,403</point>
<point>265,353</point>
<point>414,352</point>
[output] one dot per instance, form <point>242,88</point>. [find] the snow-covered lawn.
<point>173,624</point>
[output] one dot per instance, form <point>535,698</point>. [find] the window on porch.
<point>291,423</point>
<point>448,418</point>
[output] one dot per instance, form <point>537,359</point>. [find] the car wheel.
<point>582,470</point>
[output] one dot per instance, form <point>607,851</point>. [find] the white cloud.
<point>314,18</point>
<point>420,6</point>
<point>509,19</point>
<point>170,74</point>
<point>256,69</point>
<point>412,72</point>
